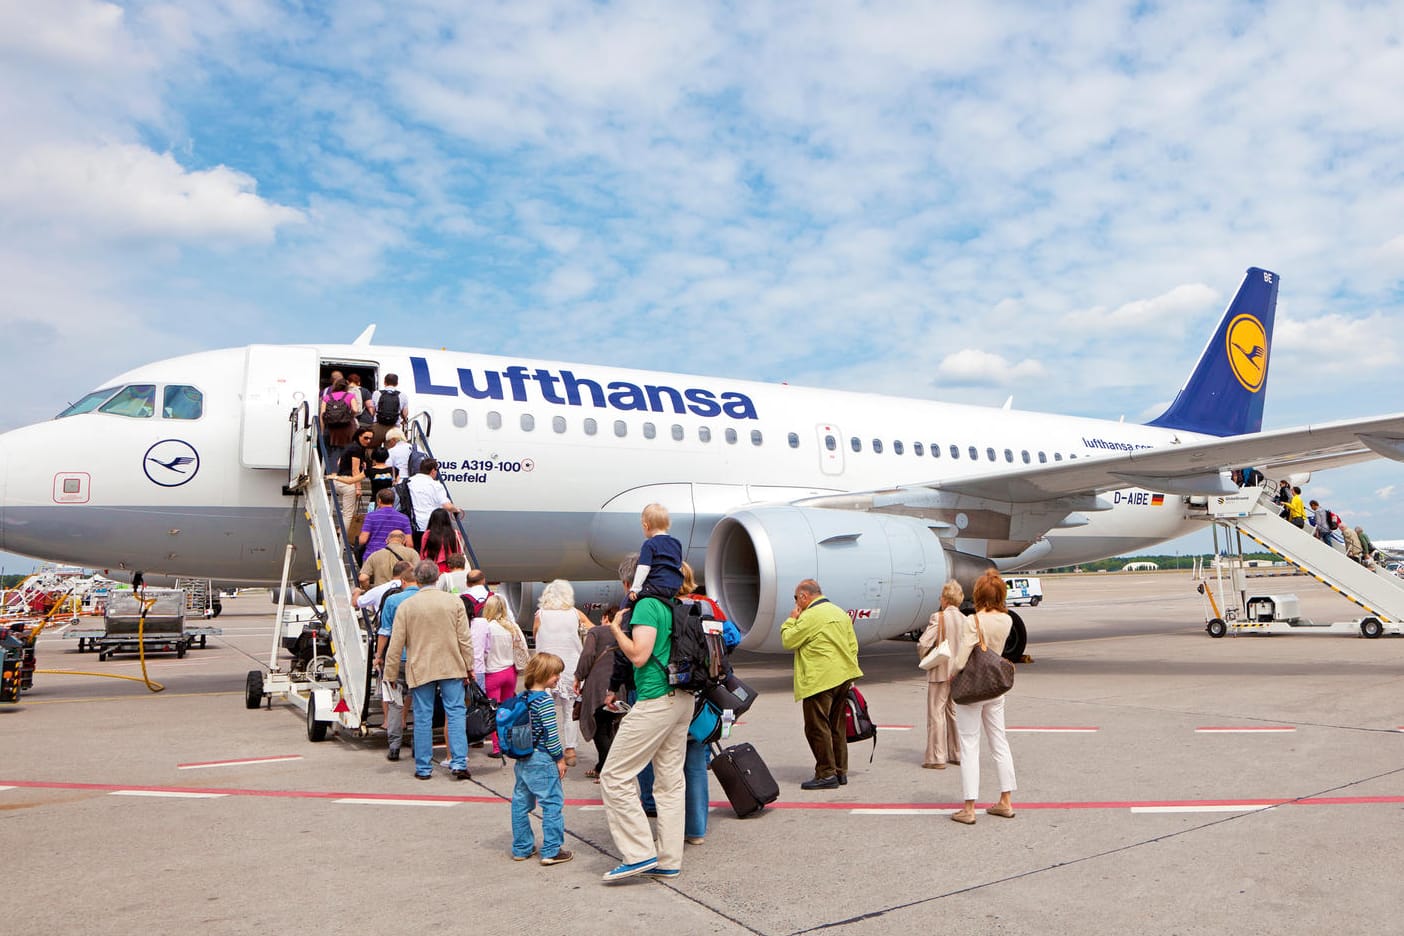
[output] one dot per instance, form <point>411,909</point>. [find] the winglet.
<point>1224,395</point>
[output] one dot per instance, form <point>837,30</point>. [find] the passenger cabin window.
<point>621,429</point>
<point>558,424</point>
<point>460,418</point>
<point>974,453</point>
<point>591,427</point>
<point>677,433</point>
<point>730,437</point>
<point>1009,456</point>
<point>528,422</point>
<point>990,454</point>
<point>181,402</point>
<point>794,439</point>
<point>857,445</point>
<point>830,443</point>
<point>936,450</point>
<point>877,446</point>
<point>955,451</point>
<point>1043,458</point>
<point>494,419</point>
<point>1025,455</point>
<point>896,447</point>
<point>1057,456</point>
<point>88,403</point>
<point>756,437</point>
<point>137,401</point>
<point>649,431</point>
<point>917,449</point>
<point>704,434</point>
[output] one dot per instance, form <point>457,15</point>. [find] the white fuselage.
<point>552,462</point>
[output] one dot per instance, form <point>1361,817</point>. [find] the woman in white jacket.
<point>991,620</point>
<point>557,630</point>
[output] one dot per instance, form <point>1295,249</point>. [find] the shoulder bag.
<point>987,675</point>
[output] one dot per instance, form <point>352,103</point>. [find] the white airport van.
<point>1023,590</point>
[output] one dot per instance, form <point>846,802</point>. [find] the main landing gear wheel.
<point>1371,627</point>
<point>316,730</point>
<point>1216,628</point>
<point>1017,641</point>
<point>253,689</point>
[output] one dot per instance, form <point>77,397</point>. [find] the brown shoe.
<point>934,766</point>
<point>963,817</point>
<point>560,857</point>
<point>1006,812</point>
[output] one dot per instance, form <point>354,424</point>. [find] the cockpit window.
<point>89,403</point>
<point>137,401</point>
<point>182,402</point>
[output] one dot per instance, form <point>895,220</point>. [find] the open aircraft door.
<point>830,449</point>
<point>276,378</point>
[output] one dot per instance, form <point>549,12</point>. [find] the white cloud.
<point>1167,312</point>
<point>972,366</point>
<point>125,190</point>
<point>1386,492</point>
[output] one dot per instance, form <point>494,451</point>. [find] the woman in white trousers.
<point>991,621</point>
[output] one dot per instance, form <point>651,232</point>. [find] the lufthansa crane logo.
<point>171,462</point>
<point>1247,351</point>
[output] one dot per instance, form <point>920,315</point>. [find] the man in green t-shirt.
<point>655,729</point>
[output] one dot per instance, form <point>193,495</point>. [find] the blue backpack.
<point>514,726</point>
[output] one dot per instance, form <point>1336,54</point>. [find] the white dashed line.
<point>1223,807</point>
<point>170,794</point>
<point>372,801</point>
<point>1276,729</point>
<point>901,812</point>
<point>240,763</point>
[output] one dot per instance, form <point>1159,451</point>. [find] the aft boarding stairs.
<point>1253,514</point>
<point>336,689</point>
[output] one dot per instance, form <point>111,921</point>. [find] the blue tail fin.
<point>1224,396</point>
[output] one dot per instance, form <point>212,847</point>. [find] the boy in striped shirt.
<point>539,776</point>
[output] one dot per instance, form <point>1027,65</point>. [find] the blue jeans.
<point>695,778</point>
<point>455,729</point>
<point>538,780</point>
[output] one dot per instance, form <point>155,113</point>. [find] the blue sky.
<point>960,201</point>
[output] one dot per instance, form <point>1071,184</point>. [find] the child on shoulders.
<point>659,574</point>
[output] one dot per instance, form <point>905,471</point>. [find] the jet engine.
<point>885,570</point>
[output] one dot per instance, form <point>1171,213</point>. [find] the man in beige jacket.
<point>431,627</point>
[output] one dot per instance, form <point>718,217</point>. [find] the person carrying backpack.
<point>826,662</point>
<point>540,770</point>
<point>391,407</point>
<point>655,730</point>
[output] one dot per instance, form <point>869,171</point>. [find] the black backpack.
<point>697,660</point>
<point>404,503</point>
<point>387,413</point>
<point>337,414</point>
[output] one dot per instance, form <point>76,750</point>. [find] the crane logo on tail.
<point>1247,351</point>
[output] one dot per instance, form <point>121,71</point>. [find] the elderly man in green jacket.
<point>826,663</point>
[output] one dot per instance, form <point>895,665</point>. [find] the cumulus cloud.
<point>973,367</point>
<point>126,190</point>
<point>1167,312</point>
<point>1386,492</point>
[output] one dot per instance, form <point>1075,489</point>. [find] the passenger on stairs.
<point>378,565</point>
<point>427,494</point>
<point>380,522</point>
<point>440,540</point>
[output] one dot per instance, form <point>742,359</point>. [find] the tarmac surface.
<point>123,811</point>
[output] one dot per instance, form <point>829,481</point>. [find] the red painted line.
<point>242,760</point>
<point>720,804</point>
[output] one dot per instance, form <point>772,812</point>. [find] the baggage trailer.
<point>151,622</point>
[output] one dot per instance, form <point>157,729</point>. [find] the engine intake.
<point>885,570</point>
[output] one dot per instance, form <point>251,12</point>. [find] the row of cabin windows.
<point>591,427</point>
<point>899,448</point>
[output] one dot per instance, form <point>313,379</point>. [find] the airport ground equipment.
<point>1023,590</point>
<point>1232,608</point>
<point>150,621</point>
<point>331,640</point>
<point>16,659</point>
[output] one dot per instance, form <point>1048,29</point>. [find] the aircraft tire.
<point>316,730</point>
<point>1017,641</point>
<point>1216,628</point>
<point>1371,628</point>
<point>253,689</point>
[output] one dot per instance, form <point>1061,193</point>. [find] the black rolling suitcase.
<point>745,778</point>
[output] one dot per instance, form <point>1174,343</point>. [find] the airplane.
<point>179,467</point>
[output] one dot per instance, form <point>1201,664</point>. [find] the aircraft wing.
<point>1194,467</point>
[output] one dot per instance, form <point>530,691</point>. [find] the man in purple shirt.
<point>380,521</point>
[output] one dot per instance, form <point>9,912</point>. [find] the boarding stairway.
<point>335,686</point>
<point>1252,513</point>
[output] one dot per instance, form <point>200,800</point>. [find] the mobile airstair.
<point>1251,514</point>
<point>333,682</point>
<point>334,685</point>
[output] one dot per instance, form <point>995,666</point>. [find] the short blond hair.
<point>952,594</point>
<point>541,668</point>
<point>655,517</point>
